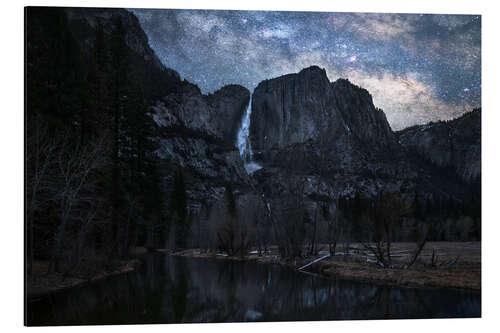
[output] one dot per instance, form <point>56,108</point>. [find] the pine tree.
<point>98,77</point>
<point>119,84</point>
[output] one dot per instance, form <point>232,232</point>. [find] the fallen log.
<point>313,262</point>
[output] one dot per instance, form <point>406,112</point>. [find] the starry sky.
<point>418,68</point>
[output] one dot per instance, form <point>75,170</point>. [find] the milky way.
<point>418,68</point>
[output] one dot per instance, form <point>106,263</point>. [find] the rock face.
<point>305,106</point>
<point>156,80</point>
<point>136,38</point>
<point>362,118</point>
<point>291,109</point>
<point>229,104</point>
<point>454,145</point>
<point>197,134</point>
<point>216,115</point>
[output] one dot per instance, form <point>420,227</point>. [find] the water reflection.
<point>181,290</point>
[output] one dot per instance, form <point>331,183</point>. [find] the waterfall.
<point>243,141</point>
<point>244,145</point>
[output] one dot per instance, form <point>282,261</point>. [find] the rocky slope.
<point>454,145</point>
<point>156,80</point>
<point>217,115</point>
<point>85,21</point>
<point>366,122</point>
<point>197,134</point>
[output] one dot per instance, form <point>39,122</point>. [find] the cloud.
<point>280,31</point>
<point>454,39</point>
<point>196,22</point>
<point>381,27</point>
<point>451,21</point>
<point>274,33</point>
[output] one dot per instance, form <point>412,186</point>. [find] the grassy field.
<point>456,264</point>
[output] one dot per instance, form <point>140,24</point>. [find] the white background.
<point>11,164</point>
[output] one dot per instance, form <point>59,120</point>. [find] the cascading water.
<point>243,141</point>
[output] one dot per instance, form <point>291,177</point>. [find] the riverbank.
<point>457,264</point>
<point>40,284</point>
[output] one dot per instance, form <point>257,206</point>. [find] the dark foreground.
<point>170,289</point>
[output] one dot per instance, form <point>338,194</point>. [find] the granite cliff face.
<point>366,122</point>
<point>197,134</point>
<point>217,115</point>
<point>292,109</point>
<point>296,108</point>
<point>229,104</point>
<point>155,79</point>
<point>453,145</point>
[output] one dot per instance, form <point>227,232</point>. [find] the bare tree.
<point>313,249</point>
<point>387,213</point>
<point>75,163</point>
<point>420,240</point>
<point>335,223</point>
<point>41,149</point>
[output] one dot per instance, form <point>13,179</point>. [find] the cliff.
<point>296,108</point>
<point>453,145</point>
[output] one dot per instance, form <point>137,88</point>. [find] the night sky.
<point>418,68</point>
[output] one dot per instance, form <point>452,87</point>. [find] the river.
<point>185,290</point>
